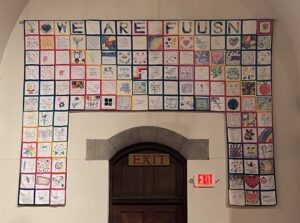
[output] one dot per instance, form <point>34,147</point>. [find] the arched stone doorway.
<point>149,188</point>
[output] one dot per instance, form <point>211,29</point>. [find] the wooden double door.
<point>148,193</point>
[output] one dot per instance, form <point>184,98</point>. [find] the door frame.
<point>159,148</point>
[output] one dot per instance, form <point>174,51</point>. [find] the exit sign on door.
<point>204,180</point>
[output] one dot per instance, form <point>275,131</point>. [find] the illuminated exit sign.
<point>204,180</point>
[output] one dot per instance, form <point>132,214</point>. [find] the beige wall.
<point>87,193</point>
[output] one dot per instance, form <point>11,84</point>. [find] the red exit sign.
<point>204,180</point>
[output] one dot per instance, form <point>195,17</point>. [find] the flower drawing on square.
<point>139,57</point>
<point>32,43</point>
<point>124,87</point>
<point>155,87</point>
<point>202,42</point>
<point>202,57</point>
<point>31,27</point>
<point>139,87</point>
<point>202,88</point>
<point>155,102</point>
<point>171,42</point>
<point>171,57</point>
<point>186,42</point>
<point>91,103</point>
<point>171,102</point>
<point>47,42</point>
<point>186,103</point>
<point>139,102</point>
<point>28,149</point>
<point>217,57</point>
<point>155,43</point>
<point>123,103</point>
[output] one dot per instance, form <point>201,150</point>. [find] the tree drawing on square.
<point>163,65</point>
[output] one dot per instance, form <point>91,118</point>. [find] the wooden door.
<point>148,193</point>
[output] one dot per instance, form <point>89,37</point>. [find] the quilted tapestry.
<point>148,65</point>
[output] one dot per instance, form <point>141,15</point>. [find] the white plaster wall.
<point>87,192</point>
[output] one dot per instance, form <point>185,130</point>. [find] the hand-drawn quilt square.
<point>202,72</point>
<point>186,103</point>
<point>44,149</point>
<point>251,181</point>
<point>155,43</point>
<point>267,182</point>
<point>186,73</point>
<point>124,27</point>
<point>62,72</point>
<point>32,72</point>
<point>264,88</point>
<point>217,42</point>
<point>264,42</point>
<point>250,151</point>
<point>249,27</point>
<point>59,149</point>
<point>248,57</point>
<point>109,72</point>
<point>264,103</point>
<point>31,103</point>
<point>171,72</point>
<point>170,102</point>
<point>217,73</point>
<point>217,88</point>
<point>186,57</point>
<point>124,72</point>
<point>234,135</point>
<point>155,57</point>
<point>108,27</point>
<point>46,27</point>
<point>31,88</point>
<point>47,57</point>
<point>186,87</point>
<point>264,57</point>
<point>124,57</point>
<point>77,102</point>
<point>251,167</point>
<point>236,181</point>
<point>78,42</point>
<point>171,42</point>
<point>202,88</point>
<point>264,119</point>
<point>57,197</point>
<point>124,103</point>
<point>60,134</point>
<point>233,57</point>
<point>77,27</point>
<point>237,197</point>
<point>249,135</point>
<point>58,181</point>
<point>124,87</point>
<point>92,27</point>
<point>171,57</point>
<point>266,166</point>
<point>124,42</point>
<point>108,43</point>
<point>62,57</point>
<point>108,57</point>
<point>155,87</point>
<point>171,27</point>
<point>77,57</point>
<point>62,42</point>
<point>249,119</point>
<point>31,27</point>
<point>248,88</point>
<point>266,151</point>
<point>248,103</point>
<point>139,42</point>
<point>233,104</point>
<point>217,57</point>
<point>202,103</point>
<point>62,103</point>
<point>268,198</point>
<point>27,181</point>
<point>139,87</point>
<point>139,57</point>
<point>265,135</point>
<point>29,149</point>
<point>47,72</point>
<point>108,102</point>
<point>77,87</point>
<point>28,165</point>
<point>171,87</point>
<point>32,43</point>
<point>140,102</point>
<point>233,73</point>
<point>155,72</point>
<point>155,27</point>
<point>46,103</point>
<point>233,42</point>
<point>202,43</point>
<point>155,102</point>
<point>77,72</point>
<point>93,87</point>
<point>32,57</point>
<point>45,118</point>
<point>62,87</point>
<point>45,134</point>
<point>92,102</point>
<point>233,119</point>
<point>43,165</point>
<point>217,103</point>
<point>265,27</point>
<point>140,72</point>
<point>109,87</point>
<point>42,197</point>
<point>186,42</point>
<point>93,43</point>
<point>236,166</point>
<point>26,197</point>
<point>233,88</point>
<point>249,42</point>
<point>248,73</point>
